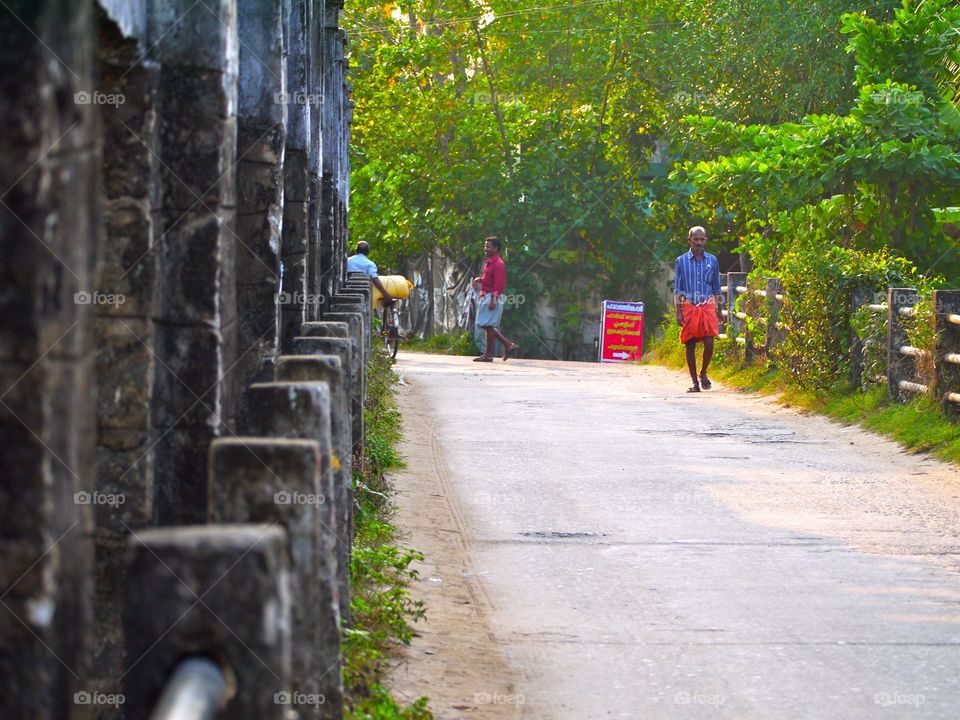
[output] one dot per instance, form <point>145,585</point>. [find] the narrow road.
<point>602,545</point>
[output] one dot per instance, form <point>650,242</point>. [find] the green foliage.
<point>819,282</point>
<point>459,342</point>
<point>833,203</point>
<point>882,168</point>
<point>551,127</point>
<point>380,570</point>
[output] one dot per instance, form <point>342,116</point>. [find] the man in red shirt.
<point>492,284</point>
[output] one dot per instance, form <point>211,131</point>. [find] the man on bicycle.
<point>359,262</point>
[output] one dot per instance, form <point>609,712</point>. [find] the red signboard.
<point>621,331</point>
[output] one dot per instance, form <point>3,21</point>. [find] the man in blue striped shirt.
<point>696,293</point>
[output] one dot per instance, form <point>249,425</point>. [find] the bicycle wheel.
<point>393,336</point>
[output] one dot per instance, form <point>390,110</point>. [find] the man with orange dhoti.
<point>696,293</point>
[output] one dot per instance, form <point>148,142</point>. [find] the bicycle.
<point>390,328</point>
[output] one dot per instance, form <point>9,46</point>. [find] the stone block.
<point>180,475</point>
<point>349,358</point>
<point>201,38</point>
<point>124,367</point>
<point>129,276</point>
<point>325,328</point>
<point>191,252</point>
<point>259,182</point>
<point>296,169</point>
<point>123,493</point>
<point>359,335</point>
<point>216,591</point>
<point>329,369</point>
<point>189,370</point>
<point>196,123</point>
<point>269,481</point>
<point>261,83</point>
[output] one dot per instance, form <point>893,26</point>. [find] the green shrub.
<point>457,342</point>
<point>380,570</point>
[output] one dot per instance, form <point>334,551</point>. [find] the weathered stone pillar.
<point>315,234</point>
<point>325,329</point>
<point>358,323</point>
<point>49,223</point>
<point>124,332</point>
<point>340,211</point>
<point>196,313</point>
<point>301,410</point>
<point>353,312</point>
<point>859,296</point>
<point>362,286</point>
<point>261,132</point>
<point>900,367</point>
<point>345,123</point>
<point>222,592</point>
<point>331,264</point>
<point>946,304</point>
<point>344,349</point>
<point>736,327</point>
<point>359,287</point>
<point>296,174</point>
<point>277,482</point>
<point>329,369</point>
<point>774,291</point>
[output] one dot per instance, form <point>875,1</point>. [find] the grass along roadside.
<point>380,572</point>
<point>457,342</point>
<point>918,425</point>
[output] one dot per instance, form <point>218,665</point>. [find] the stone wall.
<point>173,209</point>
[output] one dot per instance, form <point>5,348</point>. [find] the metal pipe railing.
<point>908,386</point>
<point>196,689</point>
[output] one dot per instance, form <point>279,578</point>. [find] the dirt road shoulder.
<point>454,658</point>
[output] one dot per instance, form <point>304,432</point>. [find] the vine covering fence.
<point>908,342</point>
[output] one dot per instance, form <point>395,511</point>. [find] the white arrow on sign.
<point>622,355</point>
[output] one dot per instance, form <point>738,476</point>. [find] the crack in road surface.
<point>598,545</point>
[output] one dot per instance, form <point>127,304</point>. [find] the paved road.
<point>602,545</point>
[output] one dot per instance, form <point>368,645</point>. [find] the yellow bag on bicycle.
<point>397,285</point>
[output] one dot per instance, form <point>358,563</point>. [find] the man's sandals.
<point>704,381</point>
<point>483,358</point>
<point>511,351</point>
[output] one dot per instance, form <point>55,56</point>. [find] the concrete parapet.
<point>260,480</point>
<point>329,369</point>
<point>221,592</point>
<point>345,349</point>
